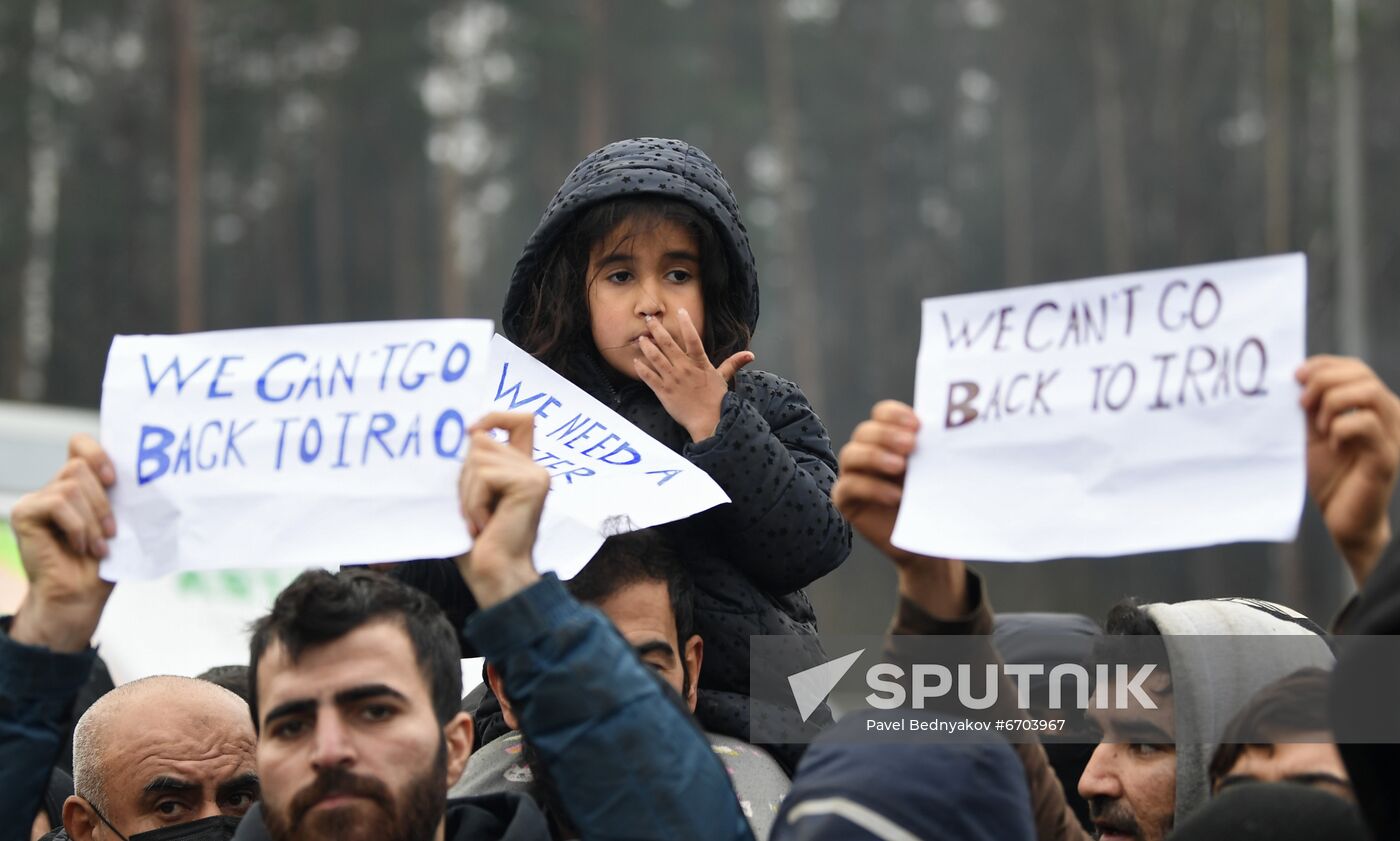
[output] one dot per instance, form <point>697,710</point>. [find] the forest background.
<point>180,165</point>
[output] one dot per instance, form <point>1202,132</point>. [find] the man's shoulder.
<point>501,816</point>
<point>498,765</point>
<point>759,781</point>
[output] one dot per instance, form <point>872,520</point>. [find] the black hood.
<point>628,168</point>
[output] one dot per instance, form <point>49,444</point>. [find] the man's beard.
<point>414,816</point>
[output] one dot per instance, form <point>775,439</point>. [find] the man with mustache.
<point>164,757</point>
<point>638,582</point>
<point>1142,779</point>
<point>356,687</point>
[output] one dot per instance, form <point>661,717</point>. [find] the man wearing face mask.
<point>185,774</point>
<point>155,760</point>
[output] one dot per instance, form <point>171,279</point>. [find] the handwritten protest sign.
<point>290,446</point>
<point>1134,413</point>
<point>340,444</point>
<point>606,474</point>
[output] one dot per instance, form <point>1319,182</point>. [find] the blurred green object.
<point>9,551</point>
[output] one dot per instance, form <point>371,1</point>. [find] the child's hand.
<point>689,387</point>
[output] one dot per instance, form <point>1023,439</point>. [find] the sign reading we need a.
<point>1133,413</point>
<point>290,446</point>
<point>607,474</point>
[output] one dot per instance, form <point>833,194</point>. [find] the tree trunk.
<point>1353,333</point>
<point>1018,234</point>
<point>1285,559</point>
<point>16,30</point>
<point>453,297</point>
<point>189,287</point>
<point>722,86</point>
<point>329,218</point>
<point>872,250</point>
<point>1112,143</point>
<point>44,184</point>
<point>593,86</point>
<point>405,266</point>
<point>1277,195</point>
<point>1170,135</point>
<point>285,261</point>
<point>796,272</point>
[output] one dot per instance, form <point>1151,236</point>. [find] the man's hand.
<point>1353,455</point>
<point>868,491</point>
<point>62,530</point>
<point>688,386</point>
<point>502,492</point>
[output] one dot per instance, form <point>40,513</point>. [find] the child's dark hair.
<point>556,320</point>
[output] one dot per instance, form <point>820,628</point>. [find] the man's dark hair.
<point>320,607</point>
<point>232,678</point>
<point>1128,618</point>
<point>1290,708</point>
<point>634,558</point>
<point>1131,639</point>
<point>556,320</point>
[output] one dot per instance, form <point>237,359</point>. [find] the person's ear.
<point>79,820</point>
<point>694,655</point>
<point>460,736</point>
<point>498,686</point>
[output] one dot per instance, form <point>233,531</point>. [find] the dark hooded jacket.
<point>770,453</point>
<point>1366,697</point>
<point>854,787</point>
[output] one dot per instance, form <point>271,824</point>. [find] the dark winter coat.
<point>38,688</point>
<point>1366,696</point>
<point>751,558</point>
<point>770,453</point>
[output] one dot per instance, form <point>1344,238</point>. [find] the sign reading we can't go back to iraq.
<point>290,446</point>
<point>342,444</point>
<point>1134,413</point>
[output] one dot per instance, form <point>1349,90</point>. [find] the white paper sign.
<point>608,476</point>
<point>1134,413</point>
<point>290,446</point>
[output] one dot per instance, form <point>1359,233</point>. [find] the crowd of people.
<point>619,704</point>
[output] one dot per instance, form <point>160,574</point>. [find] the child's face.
<point>641,269</point>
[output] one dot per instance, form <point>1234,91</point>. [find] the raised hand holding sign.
<point>1134,413</point>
